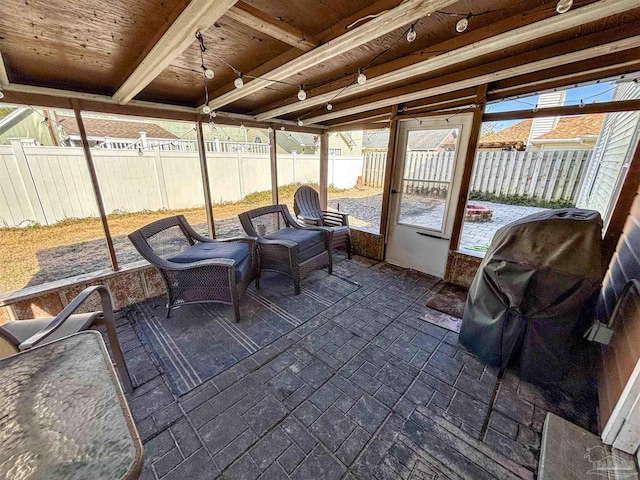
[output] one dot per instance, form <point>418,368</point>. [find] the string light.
<point>282,128</point>
<point>1,94</point>
<point>208,73</point>
<point>564,6</point>
<point>329,107</point>
<point>362,78</point>
<point>238,82</point>
<point>140,152</point>
<point>270,129</point>
<point>411,34</point>
<point>462,24</point>
<point>301,93</point>
<point>581,104</point>
<point>535,109</point>
<point>213,114</point>
<point>206,109</point>
<point>300,123</point>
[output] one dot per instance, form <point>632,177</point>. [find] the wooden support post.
<point>274,167</point>
<point>476,125</point>
<point>388,176</point>
<point>621,210</point>
<point>206,188</point>
<point>324,169</point>
<point>94,183</point>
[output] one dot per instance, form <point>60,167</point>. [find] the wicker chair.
<point>285,246</point>
<point>306,205</point>
<point>20,335</point>
<point>196,269</point>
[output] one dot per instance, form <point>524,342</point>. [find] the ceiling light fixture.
<point>362,78</point>
<point>411,34</point>
<point>564,6</point>
<point>462,24</point>
<point>301,93</point>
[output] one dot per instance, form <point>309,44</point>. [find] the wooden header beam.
<point>198,15</point>
<point>544,58</point>
<point>251,17</point>
<point>528,33</point>
<point>404,14</point>
<point>604,107</point>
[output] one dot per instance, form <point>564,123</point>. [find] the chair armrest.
<point>63,316</point>
<point>249,240</point>
<point>337,217</point>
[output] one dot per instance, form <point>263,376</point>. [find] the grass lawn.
<point>24,251</point>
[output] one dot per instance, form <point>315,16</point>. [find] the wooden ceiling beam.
<point>4,78</point>
<point>604,107</point>
<point>541,59</point>
<point>360,126</point>
<point>198,15</point>
<point>404,14</point>
<point>251,17</point>
<point>360,117</point>
<point>527,33</point>
<point>326,35</point>
<point>562,76</point>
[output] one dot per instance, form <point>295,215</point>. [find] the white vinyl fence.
<point>539,174</point>
<point>46,185</point>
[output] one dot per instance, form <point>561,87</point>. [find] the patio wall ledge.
<point>131,284</point>
<point>462,266</point>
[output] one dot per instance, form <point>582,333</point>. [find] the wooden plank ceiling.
<point>94,47</point>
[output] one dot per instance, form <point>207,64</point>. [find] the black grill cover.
<point>528,293</point>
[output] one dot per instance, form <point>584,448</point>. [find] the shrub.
<point>522,200</point>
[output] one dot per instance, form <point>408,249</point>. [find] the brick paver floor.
<point>366,389</point>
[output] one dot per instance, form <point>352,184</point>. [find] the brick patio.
<point>366,389</point>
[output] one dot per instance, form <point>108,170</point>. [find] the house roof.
<point>428,139</point>
<point>518,132</point>
<point>566,128</point>
<point>304,139</point>
<point>575,127</point>
<point>110,128</point>
<point>375,139</point>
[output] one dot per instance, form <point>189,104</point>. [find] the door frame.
<point>438,241</point>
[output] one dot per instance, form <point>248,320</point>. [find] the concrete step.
<point>570,452</point>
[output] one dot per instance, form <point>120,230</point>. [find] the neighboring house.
<point>110,133</point>
<point>571,133</point>
<point>25,123</point>
<point>340,143</point>
<point>419,140</point>
<point>612,154</point>
<point>565,133</point>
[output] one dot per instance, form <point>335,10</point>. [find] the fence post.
<point>28,182</point>
<point>162,186</point>
<point>293,167</point>
<point>240,175</point>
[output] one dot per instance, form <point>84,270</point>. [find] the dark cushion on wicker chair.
<point>206,251</point>
<point>304,238</point>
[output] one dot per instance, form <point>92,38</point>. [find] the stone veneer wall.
<point>462,268</point>
<point>367,244</point>
<point>132,284</point>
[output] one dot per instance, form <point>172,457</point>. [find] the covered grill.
<point>527,296</point>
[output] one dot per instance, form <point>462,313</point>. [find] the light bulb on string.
<point>206,109</point>
<point>282,128</point>
<point>1,94</point>
<point>270,129</point>
<point>411,34</point>
<point>213,114</point>
<point>564,6</point>
<point>362,78</point>
<point>301,93</point>
<point>140,152</point>
<point>581,104</point>
<point>242,126</point>
<point>238,82</point>
<point>209,73</point>
<point>535,109</point>
<point>300,123</point>
<point>329,107</point>
<point>462,24</point>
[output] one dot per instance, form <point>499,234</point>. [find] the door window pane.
<point>427,176</point>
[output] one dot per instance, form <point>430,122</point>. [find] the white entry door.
<point>430,155</point>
